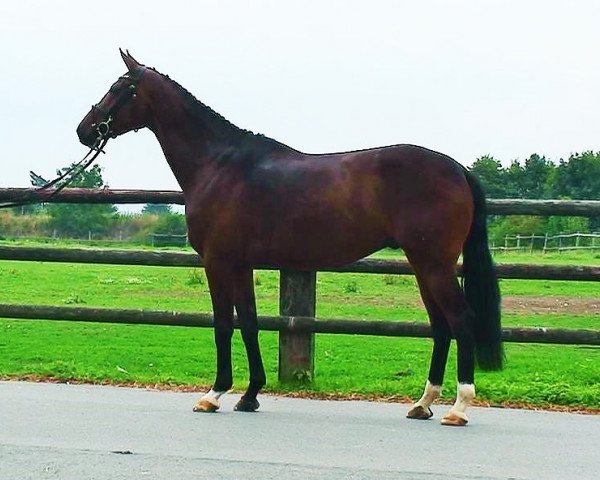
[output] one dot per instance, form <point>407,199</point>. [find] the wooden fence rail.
<point>586,208</point>
<point>297,323</point>
<point>288,324</point>
<point>185,259</point>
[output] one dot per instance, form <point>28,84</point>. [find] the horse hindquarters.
<point>471,317</point>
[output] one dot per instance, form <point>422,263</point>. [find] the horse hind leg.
<point>443,285</point>
<point>441,344</point>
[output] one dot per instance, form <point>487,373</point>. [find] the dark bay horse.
<point>251,200</point>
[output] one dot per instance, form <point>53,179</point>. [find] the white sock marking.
<point>464,396</point>
<point>430,395</point>
<point>213,397</point>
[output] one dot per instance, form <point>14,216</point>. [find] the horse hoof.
<point>419,413</point>
<point>246,405</point>
<point>455,419</point>
<point>205,406</point>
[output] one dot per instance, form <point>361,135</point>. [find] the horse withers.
<point>252,200</point>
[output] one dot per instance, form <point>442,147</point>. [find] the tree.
<point>538,174</point>
<point>172,224</point>
<point>533,179</point>
<point>491,174</point>
<point>156,209</point>
<point>514,179</point>
<point>79,220</point>
<point>579,178</point>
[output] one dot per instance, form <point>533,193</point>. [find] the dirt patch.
<point>518,304</point>
<point>548,305</point>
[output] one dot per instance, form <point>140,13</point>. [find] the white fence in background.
<point>549,243</point>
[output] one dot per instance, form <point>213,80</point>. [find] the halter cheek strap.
<point>104,128</point>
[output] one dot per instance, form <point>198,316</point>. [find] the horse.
<point>251,200</point>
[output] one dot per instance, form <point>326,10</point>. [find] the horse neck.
<point>190,134</point>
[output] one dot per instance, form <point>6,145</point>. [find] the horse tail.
<point>480,283</point>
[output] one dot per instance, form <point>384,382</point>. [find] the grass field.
<point>389,367</point>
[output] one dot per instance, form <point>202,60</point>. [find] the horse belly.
<point>320,244</point>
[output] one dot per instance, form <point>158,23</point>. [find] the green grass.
<point>344,364</point>
<point>535,374</point>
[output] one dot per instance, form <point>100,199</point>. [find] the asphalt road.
<point>81,432</point>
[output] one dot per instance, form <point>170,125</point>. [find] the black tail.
<point>481,286</point>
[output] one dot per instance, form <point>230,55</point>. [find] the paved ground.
<point>88,432</point>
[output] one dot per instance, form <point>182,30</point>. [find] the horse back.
<point>298,210</point>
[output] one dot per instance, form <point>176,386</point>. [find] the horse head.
<point>123,108</point>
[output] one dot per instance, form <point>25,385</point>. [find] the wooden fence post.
<point>297,297</point>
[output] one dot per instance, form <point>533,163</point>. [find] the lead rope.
<point>104,133</point>
<point>69,175</point>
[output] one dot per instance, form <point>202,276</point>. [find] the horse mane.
<point>202,111</point>
<point>247,143</point>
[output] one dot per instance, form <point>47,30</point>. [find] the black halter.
<point>104,130</point>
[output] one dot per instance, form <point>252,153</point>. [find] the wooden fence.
<point>585,208</point>
<point>296,324</point>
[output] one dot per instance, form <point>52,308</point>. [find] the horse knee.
<point>223,332</point>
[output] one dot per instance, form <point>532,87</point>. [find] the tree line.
<point>576,178</point>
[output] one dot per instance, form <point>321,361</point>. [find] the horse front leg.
<point>245,306</point>
<point>220,283</point>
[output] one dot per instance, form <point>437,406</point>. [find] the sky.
<point>464,77</point>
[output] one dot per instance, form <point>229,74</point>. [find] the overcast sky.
<point>467,78</point>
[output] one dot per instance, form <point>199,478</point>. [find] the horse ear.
<point>132,64</point>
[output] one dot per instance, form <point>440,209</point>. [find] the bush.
<point>558,225</point>
<point>12,225</point>
<point>516,225</point>
<point>171,224</point>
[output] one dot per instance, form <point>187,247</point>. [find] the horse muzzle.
<point>91,134</point>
